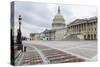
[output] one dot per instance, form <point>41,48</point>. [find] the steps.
<point>72,37</point>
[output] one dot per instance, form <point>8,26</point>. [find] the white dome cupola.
<point>58,21</point>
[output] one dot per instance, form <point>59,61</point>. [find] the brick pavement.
<point>31,56</point>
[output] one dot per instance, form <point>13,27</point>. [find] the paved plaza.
<point>47,52</point>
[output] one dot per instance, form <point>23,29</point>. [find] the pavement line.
<point>44,58</point>
<point>19,59</point>
<point>79,56</point>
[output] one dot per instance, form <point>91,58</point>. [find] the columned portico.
<point>86,27</point>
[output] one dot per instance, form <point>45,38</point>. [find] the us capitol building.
<point>79,29</point>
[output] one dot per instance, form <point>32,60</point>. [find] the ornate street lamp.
<point>19,35</point>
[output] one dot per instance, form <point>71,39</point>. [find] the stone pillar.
<point>78,28</point>
<point>75,29</point>
<point>89,31</point>
<point>69,29</point>
<point>83,27</point>
<point>86,31</point>
<point>93,30</point>
<point>72,29</point>
<point>93,36</point>
<point>86,27</point>
<point>89,28</point>
<point>88,35</point>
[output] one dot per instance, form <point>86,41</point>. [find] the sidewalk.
<point>37,54</point>
<point>31,56</point>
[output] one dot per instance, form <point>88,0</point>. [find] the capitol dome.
<point>58,21</point>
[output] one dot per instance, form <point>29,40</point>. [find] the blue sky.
<point>38,16</point>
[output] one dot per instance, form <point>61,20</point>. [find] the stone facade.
<point>49,34</point>
<point>57,34</point>
<point>60,34</point>
<point>83,28</point>
<point>59,26</point>
<point>79,29</point>
<point>34,36</point>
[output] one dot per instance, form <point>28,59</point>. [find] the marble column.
<point>73,29</point>
<point>83,28</point>
<point>76,28</point>
<point>86,31</point>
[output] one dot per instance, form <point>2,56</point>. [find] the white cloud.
<point>38,16</point>
<point>28,28</point>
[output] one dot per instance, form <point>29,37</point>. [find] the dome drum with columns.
<point>58,21</point>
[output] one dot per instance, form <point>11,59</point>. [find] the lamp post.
<point>19,35</point>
